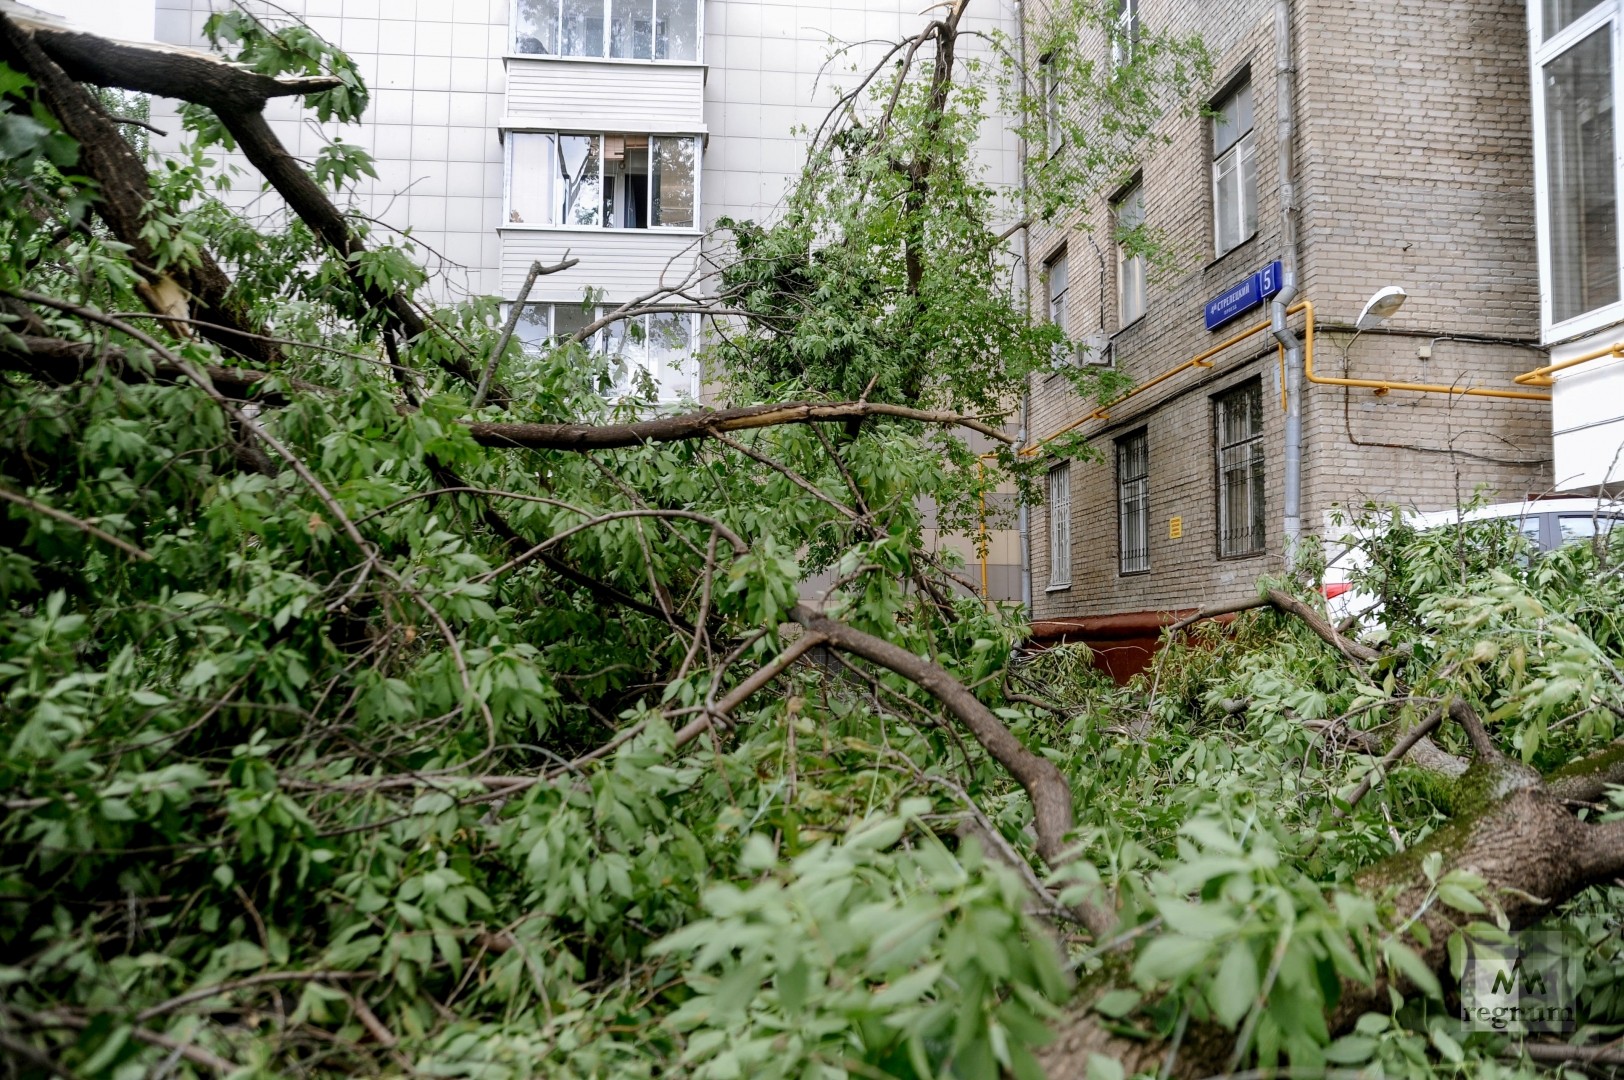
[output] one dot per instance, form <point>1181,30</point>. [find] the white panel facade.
<point>624,263</point>
<point>585,95</point>
<point>435,71</point>
<point>1587,415</point>
<point>771,71</point>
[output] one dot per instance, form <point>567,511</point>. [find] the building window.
<point>1124,33</point>
<point>1060,526</point>
<point>1056,278</point>
<point>1129,212</point>
<point>662,345</point>
<point>1234,171</point>
<point>1133,502</point>
<point>615,181</point>
<point>1052,133</point>
<point>1557,14</point>
<point>1054,272</point>
<point>1239,419</point>
<point>1581,188</point>
<point>617,29</point>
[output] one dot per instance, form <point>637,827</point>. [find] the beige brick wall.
<point>1413,167</point>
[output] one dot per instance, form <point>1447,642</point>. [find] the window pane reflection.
<point>1582,188</point>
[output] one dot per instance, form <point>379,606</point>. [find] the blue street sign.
<point>1244,297</point>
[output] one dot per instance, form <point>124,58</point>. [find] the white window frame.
<point>1053,135</point>
<point>1234,156</point>
<point>598,343</point>
<point>1124,33</point>
<point>1054,303</point>
<point>1059,503</point>
<point>603,141</point>
<point>699,44</point>
<point>1129,265</point>
<point>644,363</point>
<point>1606,14</point>
<point>1133,503</point>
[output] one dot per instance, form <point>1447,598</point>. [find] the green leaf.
<point>1170,958</point>
<point>1406,963</point>
<point>1117,1003</point>
<point>1235,987</point>
<point>1351,1050</point>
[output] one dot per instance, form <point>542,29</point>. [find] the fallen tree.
<point>357,726</point>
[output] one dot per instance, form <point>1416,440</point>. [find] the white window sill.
<point>1058,588</point>
<point>596,230</point>
<point>548,58</point>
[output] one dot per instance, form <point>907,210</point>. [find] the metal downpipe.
<point>1284,85</point>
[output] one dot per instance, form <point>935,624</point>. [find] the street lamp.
<point>1387,300</point>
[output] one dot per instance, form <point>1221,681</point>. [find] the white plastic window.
<point>617,29</point>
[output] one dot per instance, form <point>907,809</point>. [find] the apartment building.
<point>1574,48</point>
<point>614,132</point>
<point>1408,152</point>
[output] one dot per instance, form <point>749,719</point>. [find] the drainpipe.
<point>1023,520</point>
<point>1284,78</point>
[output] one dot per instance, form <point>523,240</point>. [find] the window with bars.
<point>1234,170</point>
<point>1133,502</point>
<point>1060,526</point>
<point>1238,416</point>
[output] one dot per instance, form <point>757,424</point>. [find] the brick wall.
<point>1413,167</point>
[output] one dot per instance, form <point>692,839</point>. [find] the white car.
<point>1547,523</point>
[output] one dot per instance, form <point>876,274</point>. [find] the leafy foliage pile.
<point>343,738</point>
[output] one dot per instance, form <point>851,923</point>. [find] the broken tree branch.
<point>701,424</point>
<point>74,523</point>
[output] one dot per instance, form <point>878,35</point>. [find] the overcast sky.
<point>115,18</point>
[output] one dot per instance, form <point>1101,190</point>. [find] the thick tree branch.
<point>121,177</point>
<point>74,523</point>
<point>166,70</point>
<point>1045,785</point>
<point>1351,649</point>
<point>701,424</point>
<point>61,362</point>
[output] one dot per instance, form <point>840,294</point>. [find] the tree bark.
<point>1525,844</point>
<point>108,158</point>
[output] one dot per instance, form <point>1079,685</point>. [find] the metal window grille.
<point>1060,525</point>
<point>1239,416</point>
<point>1133,503</point>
